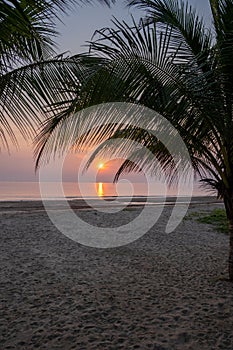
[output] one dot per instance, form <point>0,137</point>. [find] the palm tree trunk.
<point>228,201</point>
<point>230,266</point>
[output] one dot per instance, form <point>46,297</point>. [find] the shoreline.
<point>81,204</point>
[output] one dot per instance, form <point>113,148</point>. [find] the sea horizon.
<point>30,190</point>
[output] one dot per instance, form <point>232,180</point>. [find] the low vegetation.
<point>217,218</point>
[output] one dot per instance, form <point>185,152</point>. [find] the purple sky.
<point>77,28</point>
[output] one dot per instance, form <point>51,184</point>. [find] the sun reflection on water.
<point>100,189</point>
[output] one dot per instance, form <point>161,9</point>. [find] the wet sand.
<point>162,292</point>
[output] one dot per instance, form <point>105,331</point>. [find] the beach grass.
<point>216,217</point>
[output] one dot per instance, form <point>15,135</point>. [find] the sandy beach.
<point>161,292</point>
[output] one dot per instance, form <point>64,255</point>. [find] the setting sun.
<point>100,165</point>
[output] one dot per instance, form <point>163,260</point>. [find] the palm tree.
<point>27,48</point>
<point>171,63</point>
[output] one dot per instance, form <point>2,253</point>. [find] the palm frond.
<point>188,28</point>
<point>30,77</point>
<point>139,64</point>
<point>222,12</point>
<point>214,186</point>
<point>26,93</point>
<point>129,72</point>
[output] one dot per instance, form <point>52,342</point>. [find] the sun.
<point>100,165</point>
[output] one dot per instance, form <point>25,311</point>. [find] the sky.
<point>75,30</point>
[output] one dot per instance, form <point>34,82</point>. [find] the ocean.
<point>15,191</point>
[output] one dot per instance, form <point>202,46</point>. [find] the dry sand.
<point>161,292</point>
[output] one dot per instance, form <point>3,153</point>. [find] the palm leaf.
<point>140,67</point>
<point>29,78</point>
<point>142,64</point>
<point>188,28</point>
